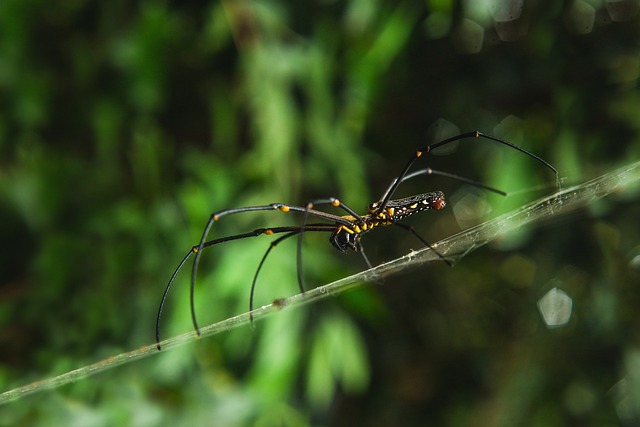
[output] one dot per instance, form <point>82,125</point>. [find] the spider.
<point>345,230</point>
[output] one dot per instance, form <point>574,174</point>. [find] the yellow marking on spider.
<point>347,229</point>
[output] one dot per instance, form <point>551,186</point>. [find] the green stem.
<point>453,248</point>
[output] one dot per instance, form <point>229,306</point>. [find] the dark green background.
<point>123,125</point>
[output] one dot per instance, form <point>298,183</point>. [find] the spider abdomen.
<point>396,210</point>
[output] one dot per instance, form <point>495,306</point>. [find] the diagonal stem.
<point>453,248</point>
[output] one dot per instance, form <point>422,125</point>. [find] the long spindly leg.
<point>384,200</point>
<point>364,255</point>
<point>375,278</point>
<point>198,249</point>
<point>166,292</point>
<point>264,257</point>
<point>429,171</point>
<point>357,220</point>
<point>424,241</point>
<point>273,206</point>
<point>311,227</point>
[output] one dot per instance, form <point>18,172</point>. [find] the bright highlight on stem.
<point>453,248</point>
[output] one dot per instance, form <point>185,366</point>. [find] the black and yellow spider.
<point>345,230</point>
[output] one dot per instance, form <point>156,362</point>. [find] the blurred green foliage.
<point>123,125</point>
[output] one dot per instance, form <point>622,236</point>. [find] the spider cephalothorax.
<point>347,237</point>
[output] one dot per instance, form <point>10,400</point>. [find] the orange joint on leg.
<point>284,208</point>
<point>268,232</point>
<point>335,203</point>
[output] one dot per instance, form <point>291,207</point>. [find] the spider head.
<point>342,240</point>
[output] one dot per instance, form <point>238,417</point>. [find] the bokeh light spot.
<point>555,308</point>
<point>580,17</point>
<point>469,37</point>
<point>505,11</point>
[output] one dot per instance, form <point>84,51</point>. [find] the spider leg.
<point>375,278</point>
<point>308,209</point>
<point>411,230</point>
<point>264,257</point>
<point>429,171</point>
<point>364,255</point>
<point>164,296</point>
<point>198,249</point>
<point>273,206</point>
<point>384,200</point>
<point>314,227</point>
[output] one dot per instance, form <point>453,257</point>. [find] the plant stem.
<point>453,248</point>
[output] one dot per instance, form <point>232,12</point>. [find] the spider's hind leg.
<point>411,230</point>
<point>272,245</point>
<point>357,219</point>
<point>375,276</point>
